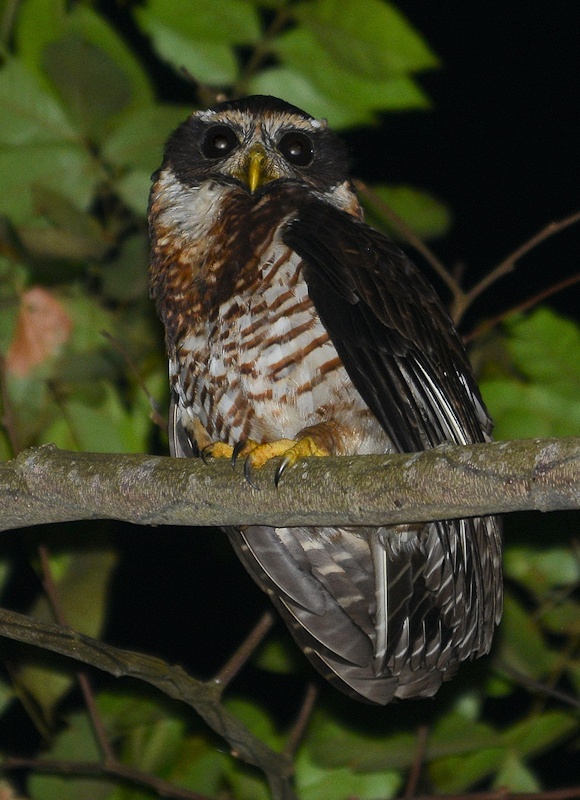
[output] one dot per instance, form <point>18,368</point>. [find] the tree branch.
<point>45,485</point>
<point>173,681</point>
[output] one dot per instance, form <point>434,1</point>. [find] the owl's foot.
<point>256,455</point>
<point>291,450</point>
<point>223,450</point>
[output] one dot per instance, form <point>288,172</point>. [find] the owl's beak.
<point>258,168</point>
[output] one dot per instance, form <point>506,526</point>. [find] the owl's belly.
<point>268,375</point>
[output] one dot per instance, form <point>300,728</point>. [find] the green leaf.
<point>300,51</point>
<point>539,732</point>
<point>371,37</point>
<point>521,410</point>
<point>39,22</point>
<point>138,139</point>
<point>456,733</point>
<point>133,189</point>
<point>317,783</point>
<point>248,785</point>
<point>209,63</point>
<point>544,347</point>
<point>76,743</point>
<point>544,399</point>
<point>201,41</point>
<point>92,86</point>
<point>514,776</point>
<point>29,115</point>
<point>229,22</point>
<point>105,428</point>
<point>155,745</point>
<point>42,22</point>
<point>62,230</point>
<point>295,88</point>
<point>66,168</point>
<point>41,147</point>
<point>520,642</point>
<point>257,720</point>
<point>201,767</point>
<point>426,215</point>
<point>333,743</point>
<point>564,619</point>
<point>457,773</point>
<point>124,278</point>
<point>542,569</point>
<point>276,656</point>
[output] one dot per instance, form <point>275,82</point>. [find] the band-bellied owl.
<point>288,318</point>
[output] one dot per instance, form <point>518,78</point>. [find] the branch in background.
<point>411,237</point>
<point>122,772</point>
<point>173,681</point>
<point>462,302</point>
<point>45,484</point>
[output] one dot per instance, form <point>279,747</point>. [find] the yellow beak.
<point>258,169</point>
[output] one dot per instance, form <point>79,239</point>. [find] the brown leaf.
<point>43,326</point>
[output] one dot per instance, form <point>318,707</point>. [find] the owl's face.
<point>252,142</point>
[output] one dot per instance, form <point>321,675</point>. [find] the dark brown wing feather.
<point>392,333</point>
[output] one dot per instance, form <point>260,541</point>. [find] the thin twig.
<point>415,773</point>
<point>116,770</point>
<point>536,686</point>
<point>462,303</point>
<point>234,664</point>
<point>488,324</point>
<point>61,403</point>
<point>84,684</point>
<point>262,50</point>
<point>411,237</point>
<point>9,15</point>
<point>156,415</point>
<point>302,720</point>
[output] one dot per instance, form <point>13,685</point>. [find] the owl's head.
<point>253,141</point>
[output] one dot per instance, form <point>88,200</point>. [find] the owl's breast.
<point>262,366</point>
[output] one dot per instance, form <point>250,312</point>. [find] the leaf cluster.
<point>81,130</point>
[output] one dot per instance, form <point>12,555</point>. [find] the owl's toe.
<point>223,450</point>
<point>291,450</point>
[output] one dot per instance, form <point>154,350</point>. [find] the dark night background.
<point>501,145</point>
<point>500,148</point>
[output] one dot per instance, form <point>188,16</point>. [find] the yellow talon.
<point>256,455</point>
<point>218,450</point>
<point>291,451</point>
<point>223,450</point>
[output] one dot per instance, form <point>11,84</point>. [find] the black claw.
<point>248,474</point>
<point>205,453</point>
<point>236,451</point>
<point>281,469</point>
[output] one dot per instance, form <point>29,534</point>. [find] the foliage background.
<point>88,94</point>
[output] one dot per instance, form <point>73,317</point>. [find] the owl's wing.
<point>437,589</point>
<point>392,333</point>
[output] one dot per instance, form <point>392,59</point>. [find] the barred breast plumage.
<point>286,315</point>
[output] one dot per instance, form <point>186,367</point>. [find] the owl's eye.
<point>296,148</point>
<point>218,141</point>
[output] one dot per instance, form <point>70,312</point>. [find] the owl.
<point>295,329</point>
